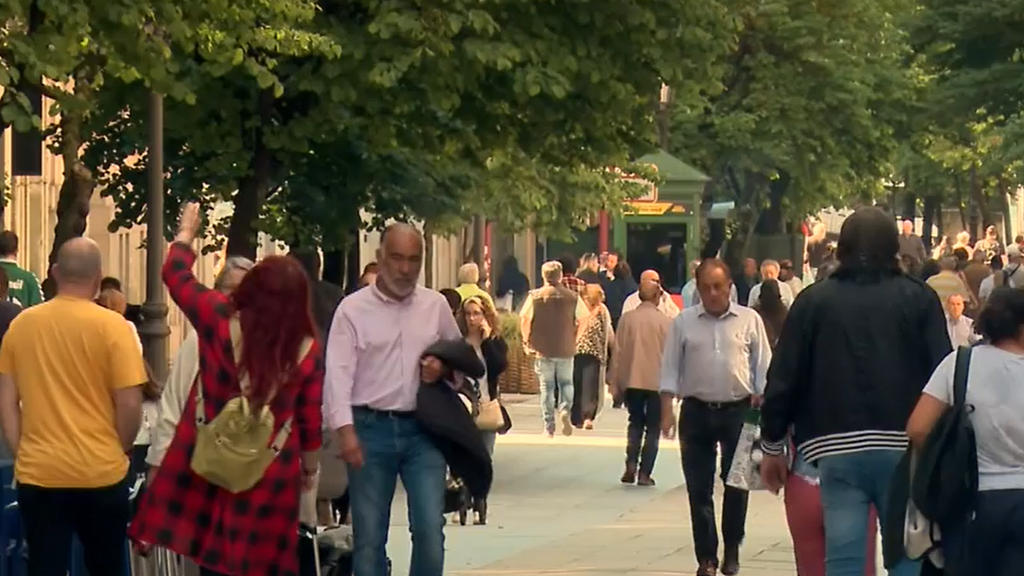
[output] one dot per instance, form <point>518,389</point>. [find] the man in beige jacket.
<point>634,378</point>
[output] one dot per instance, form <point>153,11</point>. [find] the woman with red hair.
<point>238,532</point>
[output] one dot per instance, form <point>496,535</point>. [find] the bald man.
<point>372,376</point>
<point>71,377</point>
<point>665,303</point>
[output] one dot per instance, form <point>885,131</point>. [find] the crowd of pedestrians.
<point>847,362</point>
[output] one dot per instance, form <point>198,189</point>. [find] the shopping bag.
<point>745,472</point>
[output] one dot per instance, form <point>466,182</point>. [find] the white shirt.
<point>149,409</point>
<point>172,402</point>
<point>961,331</point>
<point>666,306</point>
<point>995,388</point>
<point>784,292</point>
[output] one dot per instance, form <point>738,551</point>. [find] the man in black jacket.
<point>853,357</point>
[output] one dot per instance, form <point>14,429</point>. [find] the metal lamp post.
<point>664,99</point>
<point>154,329</point>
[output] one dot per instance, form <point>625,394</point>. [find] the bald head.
<point>399,260</point>
<point>79,262</point>
<point>650,276</point>
<point>650,286</point>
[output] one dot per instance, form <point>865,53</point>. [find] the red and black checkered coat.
<point>577,285</point>
<point>255,532</point>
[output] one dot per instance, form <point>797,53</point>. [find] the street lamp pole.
<point>154,329</point>
<point>664,99</point>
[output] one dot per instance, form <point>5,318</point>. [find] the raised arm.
<point>203,307</point>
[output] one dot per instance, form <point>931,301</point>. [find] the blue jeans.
<point>394,447</point>
<point>850,484</point>
<point>554,373</point>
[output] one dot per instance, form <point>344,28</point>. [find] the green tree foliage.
<point>72,51</point>
<point>965,150</point>
<point>975,50</point>
<point>507,109</point>
<point>805,111</point>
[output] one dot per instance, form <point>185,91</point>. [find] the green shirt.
<point>23,286</point>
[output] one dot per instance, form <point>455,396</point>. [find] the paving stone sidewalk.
<point>557,509</point>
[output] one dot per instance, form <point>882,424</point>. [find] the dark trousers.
<point>644,429</point>
<point>703,428</point>
<point>586,382</point>
<point>993,542</point>
<point>98,516</point>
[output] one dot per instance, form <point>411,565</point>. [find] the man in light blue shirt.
<point>716,360</point>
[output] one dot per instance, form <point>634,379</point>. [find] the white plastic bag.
<point>745,472</point>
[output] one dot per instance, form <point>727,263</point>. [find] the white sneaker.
<point>566,423</point>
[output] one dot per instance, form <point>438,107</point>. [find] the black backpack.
<point>945,483</point>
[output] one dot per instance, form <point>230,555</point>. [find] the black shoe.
<point>707,568</point>
<point>481,512</point>
<point>731,562</point>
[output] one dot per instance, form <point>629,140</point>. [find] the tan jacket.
<point>639,340</point>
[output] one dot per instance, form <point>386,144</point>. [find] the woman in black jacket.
<point>478,322</point>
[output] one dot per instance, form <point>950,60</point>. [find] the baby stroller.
<point>456,496</point>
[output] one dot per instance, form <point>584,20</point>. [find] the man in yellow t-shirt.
<point>70,408</point>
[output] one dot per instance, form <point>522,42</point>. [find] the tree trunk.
<point>980,213</point>
<point>960,201</point>
<point>253,188</point>
<point>747,214</point>
<point>772,221</point>
<point>908,206</point>
<point>76,190</point>
<point>1003,189</point>
<point>715,241</point>
<point>428,254</point>
<point>931,213</point>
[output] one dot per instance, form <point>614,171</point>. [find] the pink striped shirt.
<point>374,349</point>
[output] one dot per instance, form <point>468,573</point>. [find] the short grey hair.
<point>948,263</point>
<point>469,273</point>
<point>551,272</point>
<point>230,265</point>
<point>771,263</point>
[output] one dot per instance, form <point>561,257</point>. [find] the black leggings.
<point>98,516</point>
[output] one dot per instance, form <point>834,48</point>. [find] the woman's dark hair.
<point>910,264</point>
<point>622,270</point>
<point>273,305</point>
<point>868,245</point>
<point>962,257</point>
<point>771,308</point>
<point>827,268</point>
<point>1002,318</point>
<point>454,298</point>
<point>511,279</point>
<point>996,262</point>
<point>930,268</point>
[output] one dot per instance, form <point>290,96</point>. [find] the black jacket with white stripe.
<point>854,354</point>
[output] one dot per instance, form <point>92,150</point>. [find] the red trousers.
<point>806,520</point>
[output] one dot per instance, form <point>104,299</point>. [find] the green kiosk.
<point>661,230</point>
